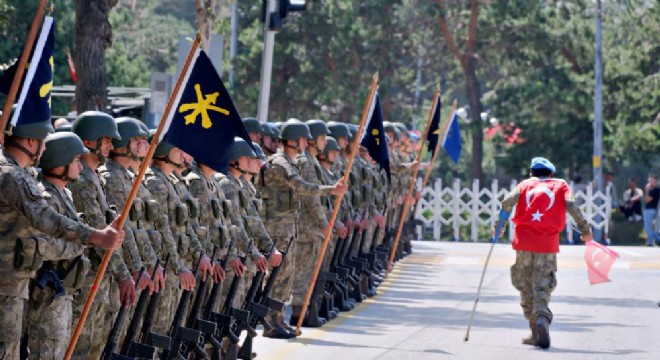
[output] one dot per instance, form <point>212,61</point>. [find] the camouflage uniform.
<point>310,237</point>
<point>90,199</point>
<point>24,214</point>
<point>175,213</point>
<point>281,187</point>
<point>49,319</point>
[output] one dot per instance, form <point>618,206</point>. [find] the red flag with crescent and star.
<point>540,214</point>
<point>599,260</point>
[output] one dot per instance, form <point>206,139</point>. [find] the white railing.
<point>476,209</point>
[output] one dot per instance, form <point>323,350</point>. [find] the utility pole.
<point>266,63</point>
<point>598,109</point>
<point>233,44</point>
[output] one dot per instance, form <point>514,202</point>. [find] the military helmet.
<point>331,144</point>
<point>163,148</point>
<point>266,129</point>
<point>145,128</point>
<point>294,129</point>
<point>402,129</point>
<point>241,148</point>
<point>61,149</point>
<point>274,131</point>
<point>93,125</point>
<point>63,128</point>
<point>389,127</point>
<point>278,126</point>
<point>128,128</point>
<point>258,150</point>
<point>338,129</point>
<point>317,128</point>
<point>36,131</point>
<point>353,129</point>
<point>252,125</point>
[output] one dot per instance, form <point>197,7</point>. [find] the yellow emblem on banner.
<point>204,104</point>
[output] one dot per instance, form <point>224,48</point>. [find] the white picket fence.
<point>477,209</point>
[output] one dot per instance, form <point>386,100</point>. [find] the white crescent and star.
<point>593,256</point>
<point>544,189</point>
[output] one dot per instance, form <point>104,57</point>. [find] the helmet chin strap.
<point>128,153</point>
<point>167,159</point>
<point>234,165</point>
<point>97,151</point>
<point>63,177</point>
<point>34,157</point>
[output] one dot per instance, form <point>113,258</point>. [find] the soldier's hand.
<point>109,238</point>
<point>127,292</point>
<point>276,258</point>
<point>144,281</point>
<point>341,230</point>
<point>159,279</point>
<point>187,280</point>
<point>365,224</point>
<point>418,196</point>
<point>237,267</point>
<point>339,188</point>
<point>587,238</point>
<point>218,273</point>
<point>414,165</point>
<point>262,263</point>
<point>349,225</point>
<point>205,267</point>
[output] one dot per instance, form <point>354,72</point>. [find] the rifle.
<point>184,338</point>
<point>47,276</point>
<point>113,337</point>
<point>146,337</point>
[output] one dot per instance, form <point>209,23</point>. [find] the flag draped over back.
<point>373,138</point>
<point>599,260</point>
<point>434,129</point>
<point>33,105</point>
<point>204,121</point>
<point>452,140</point>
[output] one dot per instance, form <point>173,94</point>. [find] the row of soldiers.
<point>197,244</point>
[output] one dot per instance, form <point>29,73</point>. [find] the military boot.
<point>543,331</point>
<point>277,331</point>
<point>532,339</point>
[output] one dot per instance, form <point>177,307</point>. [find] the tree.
<point>207,12</point>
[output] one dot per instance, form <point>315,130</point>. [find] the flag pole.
<point>129,200</point>
<point>437,146</point>
<point>337,204</point>
<point>406,205</point>
<point>22,63</point>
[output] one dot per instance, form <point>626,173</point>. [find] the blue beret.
<point>541,163</point>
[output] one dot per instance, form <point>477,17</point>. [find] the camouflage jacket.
<point>89,198</point>
<point>25,214</point>
<point>196,247</point>
<point>232,188</point>
<point>253,224</point>
<point>313,214</point>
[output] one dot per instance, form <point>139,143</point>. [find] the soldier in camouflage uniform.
<point>269,138</point>
<point>49,313</point>
<point>536,242</point>
<point>175,213</point>
<point>24,217</point>
<point>97,129</point>
<point>281,187</point>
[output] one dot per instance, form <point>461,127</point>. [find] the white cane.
<point>504,216</point>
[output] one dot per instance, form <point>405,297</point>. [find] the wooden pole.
<point>437,146</point>
<point>22,62</point>
<point>406,204</point>
<point>337,204</point>
<point>129,200</point>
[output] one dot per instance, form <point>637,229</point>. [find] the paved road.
<point>423,308</point>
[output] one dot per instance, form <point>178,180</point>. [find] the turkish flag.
<point>599,260</point>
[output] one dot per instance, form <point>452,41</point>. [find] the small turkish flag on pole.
<point>599,260</point>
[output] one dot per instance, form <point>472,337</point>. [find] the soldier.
<point>541,205</point>
<point>281,187</point>
<point>24,216</point>
<point>97,129</point>
<point>253,127</point>
<point>269,136</point>
<point>49,312</point>
<point>175,213</point>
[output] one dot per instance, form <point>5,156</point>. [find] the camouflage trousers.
<point>307,251</point>
<point>241,290</point>
<point>169,300</point>
<point>11,318</point>
<point>284,282</point>
<point>533,275</point>
<point>95,331</point>
<point>48,324</point>
<point>369,235</point>
<point>327,258</point>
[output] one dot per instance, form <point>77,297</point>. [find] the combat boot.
<point>277,331</point>
<point>532,339</point>
<point>543,331</point>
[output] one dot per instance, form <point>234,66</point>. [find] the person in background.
<point>651,197</point>
<point>632,201</point>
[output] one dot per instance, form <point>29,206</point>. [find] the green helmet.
<point>128,128</point>
<point>353,129</point>
<point>61,149</point>
<point>64,128</point>
<point>252,125</point>
<point>331,144</point>
<point>317,128</point>
<point>278,126</point>
<point>274,131</point>
<point>338,129</point>
<point>294,129</point>
<point>241,148</point>
<point>93,125</point>
<point>36,131</point>
<point>402,129</point>
<point>145,128</point>
<point>265,130</point>
<point>258,150</point>
<point>391,128</point>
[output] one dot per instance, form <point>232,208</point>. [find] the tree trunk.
<point>207,11</point>
<point>474,95</point>
<point>93,35</point>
